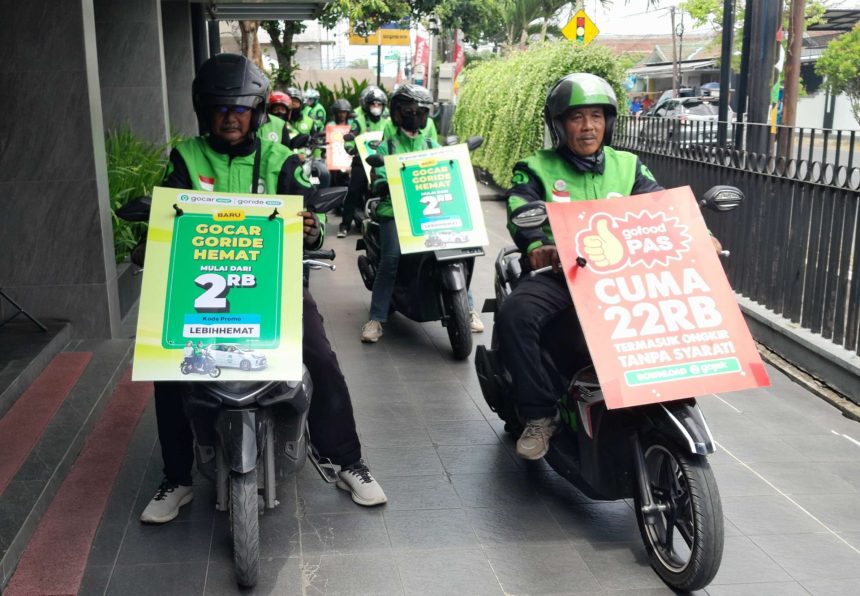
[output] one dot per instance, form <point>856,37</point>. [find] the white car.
<point>233,356</point>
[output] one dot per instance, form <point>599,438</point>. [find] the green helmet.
<point>579,90</point>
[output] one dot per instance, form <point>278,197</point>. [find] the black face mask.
<point>295,115</point>
<point>413,122</point>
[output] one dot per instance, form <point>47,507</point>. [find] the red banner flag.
<point>421,61</point>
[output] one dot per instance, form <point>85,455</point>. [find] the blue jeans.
<point>386,275</point>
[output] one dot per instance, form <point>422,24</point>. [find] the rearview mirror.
<point>136,209</point>
<point>474,142</point>
<point>326,199</point>
<point>375,161</point>
<point>722,198</point>
<point>299,141</point>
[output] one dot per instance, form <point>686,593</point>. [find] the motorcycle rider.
<point>369,118</point>
<point>316,110</point>
<point>580,112</point>
<point>410,110</point>
<point>275,128</point>
<point>341,112</point>
<point>299,119</point>
<point>229,94</point>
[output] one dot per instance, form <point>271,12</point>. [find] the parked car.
<point>684,121</point>
<point>233,356</point>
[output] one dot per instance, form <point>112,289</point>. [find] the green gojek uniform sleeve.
<point>396,144</point>
<point>546,176</point>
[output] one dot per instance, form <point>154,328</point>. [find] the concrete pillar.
<point>57,259</point>
<point>131,65</point>
<point>179,65</point>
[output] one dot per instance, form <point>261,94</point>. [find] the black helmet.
<point>295,93</point>
<point>229,80</point>
<point>579,90</point>
<point>371,94</point>
<point>406,94</point>
<point>341,105</point>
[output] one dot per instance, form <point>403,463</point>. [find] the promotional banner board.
<point>659,315</point>
<point>390,34</point>
<point>336,157</point>
<point>222,288</point>
<point>363,144</point>
<point>435,199</point>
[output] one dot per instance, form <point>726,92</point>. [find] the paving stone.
<point>465,459</point>
<point>438,528</point>
<point>775,589</point>
<point>446,572</point>
<point>462,432</point>
<point>620,565</point>
<point>541,569</point>
<point>148,544</point>
<point>179,579</point>
<point>341,533</point>
<point>404,461</point>
<point>833,587</point>
<point>745,563</point>
<point>811,556</point>
<point>840,513</point>
<point>756,516</point>
<point>365,574</point>
<point>411,493</point>
<point>493,490</point>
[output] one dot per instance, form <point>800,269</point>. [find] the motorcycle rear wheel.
<point>245,526</point>
<point>685,542</point>
<point>459,319</point>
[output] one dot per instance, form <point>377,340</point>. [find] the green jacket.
<point>194,164</point>
<point>365,124</point>
<point>548,176</point>
<point>427,131</point>
<point>318,113</point>
<point>394,145</point>
<point>305,125</point>
<point>273,130</point>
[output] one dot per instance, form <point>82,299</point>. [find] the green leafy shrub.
<point>502,100</point>
<point>134,167</point>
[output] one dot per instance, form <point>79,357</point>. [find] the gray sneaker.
<point>534,442</point>
<point>357,480</point>
<point>165,505</point>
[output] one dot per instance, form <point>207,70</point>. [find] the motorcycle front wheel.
<point>215,372</point>
<point>459,331</point>
<point>245,526</point>
<point>684,538</point>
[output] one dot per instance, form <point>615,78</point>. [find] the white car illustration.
<point>233,356</point>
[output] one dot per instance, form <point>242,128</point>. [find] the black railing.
<point>794,243</point>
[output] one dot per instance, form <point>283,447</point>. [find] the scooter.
<point>655,454</point>
<point>209,367</point>
<point>250,435</point>
<point>430,286</point>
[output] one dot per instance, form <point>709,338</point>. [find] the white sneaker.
<point>475,323</point>
<point>165,505</point>
<point>357,480</point>
<point>371,331</point>
<point>534,442</point>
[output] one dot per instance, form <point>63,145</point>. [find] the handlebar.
<point>319,255</point>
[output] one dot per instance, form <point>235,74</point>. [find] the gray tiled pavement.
<point>467,517</point>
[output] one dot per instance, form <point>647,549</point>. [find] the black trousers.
<point>525,323</point>
<point>355,194</point>
<point>331,420</point>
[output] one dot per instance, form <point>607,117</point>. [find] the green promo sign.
<point>222,288</point>
<point>435,200</point>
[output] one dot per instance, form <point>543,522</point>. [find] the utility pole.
<point>674,56</point>
<point>725,71</point>
<point>792,74</point>
<point>742,96</point>
<point>378,64</point>
<point>766,19</point>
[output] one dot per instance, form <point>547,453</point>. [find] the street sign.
<point>581,29</point>
<point>387,35</point>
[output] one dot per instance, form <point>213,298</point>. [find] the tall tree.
<point>282,33</point>
<point>840,65</point>
<point>250,42</point>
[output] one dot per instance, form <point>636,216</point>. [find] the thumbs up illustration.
<point>603,249</point>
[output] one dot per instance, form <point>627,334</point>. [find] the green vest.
<point>367,125</point>
<point>213,171</point>
<point>563,183</point>
<point>272,130</point>
<point>427,131</point>
<point>318,113</point>
<point>303,126</point>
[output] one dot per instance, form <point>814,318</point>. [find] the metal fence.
<point>794,241</point>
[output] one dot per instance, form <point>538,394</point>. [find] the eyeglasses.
<point>414,111</point>
<point>234,109</point>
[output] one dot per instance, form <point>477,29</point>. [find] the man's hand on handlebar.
<point>311,228</point>
<point>717,246</point>
<point>545,256</point>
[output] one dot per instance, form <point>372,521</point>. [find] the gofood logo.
<point>611,244</point>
